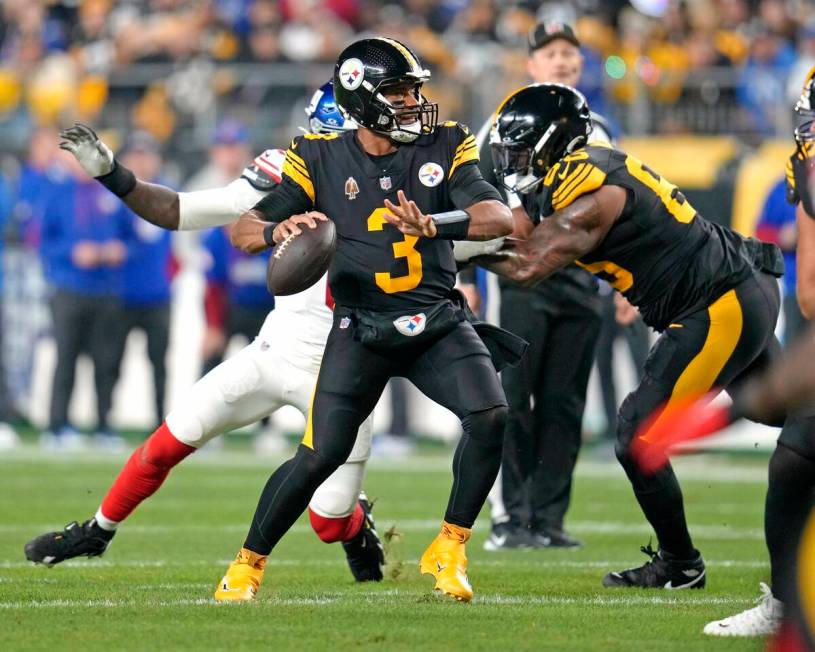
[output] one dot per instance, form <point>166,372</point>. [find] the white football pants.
<point>251,385</point>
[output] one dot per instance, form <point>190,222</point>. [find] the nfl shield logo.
<point>385,183</point>
<point>411,325</point>
<point>345,322</point>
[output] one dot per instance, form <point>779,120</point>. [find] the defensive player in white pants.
<point>279,368</point>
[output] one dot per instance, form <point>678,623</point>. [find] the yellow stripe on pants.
<point>308,436</point>
<point>724,332</point>
<point>806,574</point>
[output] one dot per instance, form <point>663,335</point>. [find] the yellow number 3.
<point>402,249</point>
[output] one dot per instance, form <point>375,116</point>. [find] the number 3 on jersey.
<point>402,249</point>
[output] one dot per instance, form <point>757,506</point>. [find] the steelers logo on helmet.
<point>352,74</point>
<point>431,174</point>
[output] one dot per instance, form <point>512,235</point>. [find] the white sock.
<point>105,523</point>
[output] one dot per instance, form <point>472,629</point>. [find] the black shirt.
<point>660,253</point>
<point>375,266</point>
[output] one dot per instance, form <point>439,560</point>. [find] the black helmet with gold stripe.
<point>365,73</point>
<point>533,128</point>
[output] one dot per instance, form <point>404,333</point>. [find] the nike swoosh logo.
<point>440,567</point>
<point>500,541</point>
<point>670,585</point>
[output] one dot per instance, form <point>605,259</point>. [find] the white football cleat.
<point>762,620</point>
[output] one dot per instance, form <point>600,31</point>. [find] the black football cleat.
<point>364,552</point>
<point>554,537</point>
<point>664,571</point>
<point>86,540</point>
<point>507,536</point>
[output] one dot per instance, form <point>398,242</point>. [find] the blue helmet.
<point>324,116</point>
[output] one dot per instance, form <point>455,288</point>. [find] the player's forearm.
<point>489,219</point>
<point>154,203</point>
<point>247,233</point>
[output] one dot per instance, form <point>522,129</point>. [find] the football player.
<point>278,368</point>
<point>399,190</point>
<point>712,293</point>
<point>792,465</point>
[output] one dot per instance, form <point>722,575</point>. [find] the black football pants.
<point>154,320</point>
<point>455,370</point>
<point>84,324</point>
<point>546,393</point>
<point>719,346</point>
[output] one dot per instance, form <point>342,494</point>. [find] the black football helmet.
<point>363,73</point>
<point>533,128</point>
<point>805,108</point>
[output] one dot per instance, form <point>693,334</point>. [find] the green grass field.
<point>153,588</point>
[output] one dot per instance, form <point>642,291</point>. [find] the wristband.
<point>120,180</point>
<point>268,233</point>
<point>452,225</point>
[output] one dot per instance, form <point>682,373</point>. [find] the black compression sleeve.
<point>285,199</point>
<point>467,187</point>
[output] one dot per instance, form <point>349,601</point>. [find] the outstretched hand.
<point>93,155</point>
<point>407,217</point>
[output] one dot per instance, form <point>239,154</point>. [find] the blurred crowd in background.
<point>190,90</point>
<point>171,67</point>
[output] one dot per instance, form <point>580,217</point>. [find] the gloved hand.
<point>93,155</point>
<point>682,421</point>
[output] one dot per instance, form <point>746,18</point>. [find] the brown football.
<point>299,261</point>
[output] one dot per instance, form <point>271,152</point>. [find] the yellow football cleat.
<point>242,579</point>
<point>445,560</point>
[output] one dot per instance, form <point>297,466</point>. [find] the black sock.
<point>475,465</point>
<point>789,501</point>
<point>285,497</point>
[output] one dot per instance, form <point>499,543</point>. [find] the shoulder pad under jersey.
<point>264,172</point>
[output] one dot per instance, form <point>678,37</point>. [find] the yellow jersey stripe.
<point>291,154</point>
<point>591,183</point>
<point>467,142</point>
<point>575,176</point>
<point>465,157</point>
<point>465,153</point>
<point>299,178</point>
<point>300,168</point>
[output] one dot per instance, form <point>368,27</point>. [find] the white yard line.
<point>712,469</point>
<point>522,558</point>
<point>377,597</point>
<point>725,532</point>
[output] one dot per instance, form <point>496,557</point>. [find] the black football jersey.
<point>660,253</point>
<point>800,173</point>
<point>376,266</point>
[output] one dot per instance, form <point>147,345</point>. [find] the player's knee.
<point>626,427</point>
<point>329,530</point>
<point>487,426</point>
<point>790,470</point>
<point>163,450</point>
<point>334,503</point>
<point>314,464</point>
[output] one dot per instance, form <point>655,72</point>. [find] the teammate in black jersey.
<point>712,293</point>
<point>391,279</point>
<point>792,465</point>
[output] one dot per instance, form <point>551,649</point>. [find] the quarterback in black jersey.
<point>711,292</point>
<point>391,279</point>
